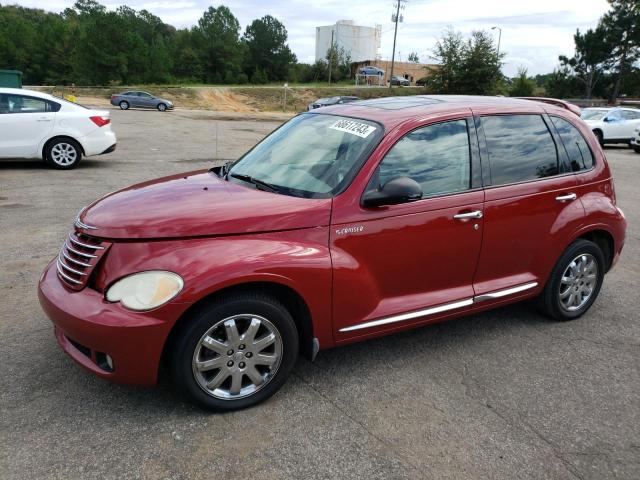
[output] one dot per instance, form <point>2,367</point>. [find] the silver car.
<point>137,99</point>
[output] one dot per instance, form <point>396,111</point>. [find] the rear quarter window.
<point>520,148</point>
<point>580,156</point>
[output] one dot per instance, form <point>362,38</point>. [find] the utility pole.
<point>330,56</point>
<point>499,38</point>
<point>395,34</point>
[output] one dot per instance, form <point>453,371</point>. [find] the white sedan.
<point>612,125</point>
<point>39,125</point>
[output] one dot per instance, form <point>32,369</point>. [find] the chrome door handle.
<point>569,197</point>
<point>462,216</point>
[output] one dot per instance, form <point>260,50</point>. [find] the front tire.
<point>162,107</point>
<point>235,352</point>
<point>63,154</point>
<point>575,282</point>
<point>636,149</point>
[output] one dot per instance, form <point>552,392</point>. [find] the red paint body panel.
<point>349,264</point>
<point>199,204</point>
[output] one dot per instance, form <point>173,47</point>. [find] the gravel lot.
<point>504,395</point>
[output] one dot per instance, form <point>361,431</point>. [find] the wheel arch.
<point>290,299</point>
<point>60,137</point>
<point>604,239</point>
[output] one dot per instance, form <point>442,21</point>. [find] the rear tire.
<point>221,344</point>
<point>124,105</point>
<point>63,154</point>
<point>575,282</point>
<point>600,137</point>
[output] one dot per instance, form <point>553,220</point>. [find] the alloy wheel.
<point>229,365</point>
<point>578,282</point>
<point>64,154</point>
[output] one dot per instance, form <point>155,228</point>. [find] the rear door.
<point>631,119</point>
<point>531,203</point>
<point>24,123</point>
<point>398,265</point>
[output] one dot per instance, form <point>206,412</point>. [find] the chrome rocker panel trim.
<point>441,308</point>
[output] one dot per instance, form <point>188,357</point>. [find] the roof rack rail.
<point>558,103</point>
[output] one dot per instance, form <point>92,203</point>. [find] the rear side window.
<point>22,104</point>
<point>520,148</point>
<point>580,156</point>
<point>436,156</point>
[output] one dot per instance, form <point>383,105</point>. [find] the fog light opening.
<point>105,362</point>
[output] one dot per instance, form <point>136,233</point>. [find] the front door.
<point>24,123</point>
<point>398,265</point>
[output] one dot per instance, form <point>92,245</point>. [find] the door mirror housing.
<point>395,191</point>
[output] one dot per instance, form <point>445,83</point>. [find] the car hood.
<point>197,204</point>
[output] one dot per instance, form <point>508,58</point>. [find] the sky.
<point>534,33</point>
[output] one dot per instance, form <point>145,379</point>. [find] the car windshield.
<point>591,114</point>
<point>312,155</point>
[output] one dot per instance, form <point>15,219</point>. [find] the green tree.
<point>465,67</point>
<point>217,38</point>
<point>591,58</point>
<point>340,62</point>
<point>562,84</point>
<point>522,85</point>
<point>622,27</point>
<point>265,41</point>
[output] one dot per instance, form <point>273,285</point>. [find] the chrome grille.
<point>78,256</point>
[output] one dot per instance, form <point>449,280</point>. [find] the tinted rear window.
<point>520,148</point>
<point>580,156</point>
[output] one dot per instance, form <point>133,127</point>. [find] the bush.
<point>242,79</point>
<point>259,77</point>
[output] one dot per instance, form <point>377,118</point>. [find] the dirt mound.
<point>224,99</point>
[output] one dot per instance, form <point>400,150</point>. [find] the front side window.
<point>580,156</point>
<point>520,148</point>
<point>312,155</point>
<point>593,114</point>
<point>22,104</point>
<point>614,116</point>
<point>436,156</point>
<point>630,115</point>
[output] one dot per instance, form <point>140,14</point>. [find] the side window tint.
<point>20,104</point>
<point>580,155</point>
<point>436,156</point>
<point>4,104</point>
<point>520,148</point>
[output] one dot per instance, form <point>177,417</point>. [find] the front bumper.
<point>87,328</point>
<point>635,141</point>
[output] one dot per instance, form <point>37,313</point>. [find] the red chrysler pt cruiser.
<point>346,223</point>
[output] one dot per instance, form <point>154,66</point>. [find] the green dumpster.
<point>10,79</point>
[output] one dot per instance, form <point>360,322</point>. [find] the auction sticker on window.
<point>355,128</point>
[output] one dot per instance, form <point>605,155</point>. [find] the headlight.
<point>145,290</point>
<point>638,128</point>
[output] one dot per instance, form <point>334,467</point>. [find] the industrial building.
<point>361,43</point>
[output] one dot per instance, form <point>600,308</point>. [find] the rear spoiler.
<point>558,103</point>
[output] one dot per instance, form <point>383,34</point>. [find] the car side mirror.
<point>395,191</point>
<point>606,120</point>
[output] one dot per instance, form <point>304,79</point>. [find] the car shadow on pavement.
<point>38,164</point>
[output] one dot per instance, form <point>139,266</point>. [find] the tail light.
<point>100,121</point>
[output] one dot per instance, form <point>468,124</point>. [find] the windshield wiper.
<point>257,182</point>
